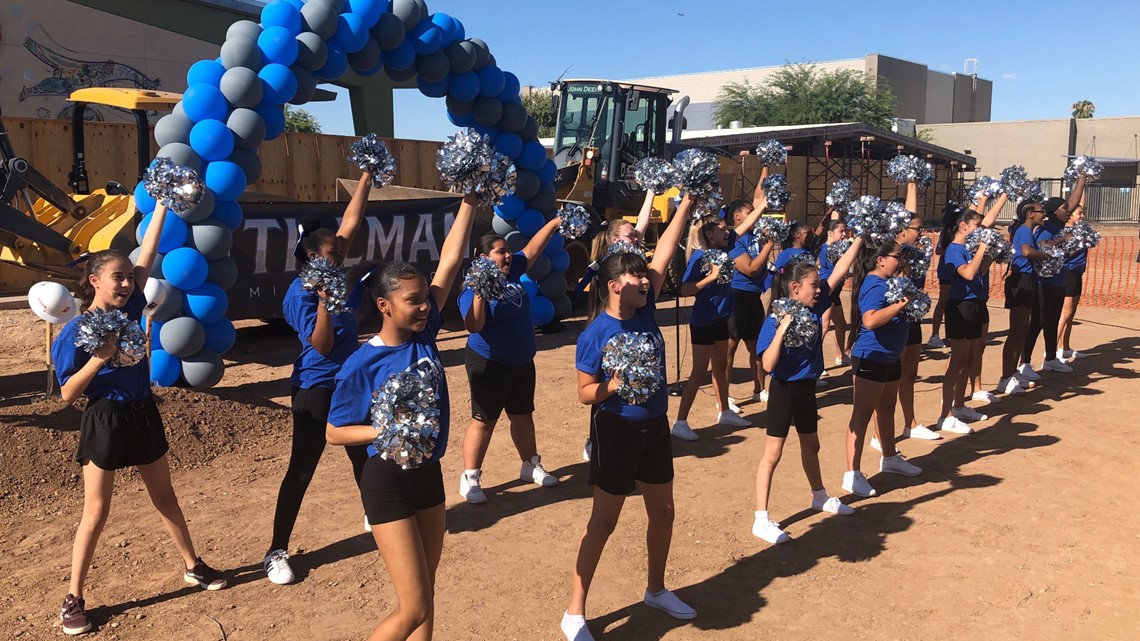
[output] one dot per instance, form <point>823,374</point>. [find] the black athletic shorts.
<point>875,370</point>
<point>792,402</point>
<point>495,387</point>
<point>624,452</point>
<point>391,493</point>
<point>118,434</point>
<point>1074,283</point>
<point>1020,290</point>
<point>718,331</point>
<point>747,316</point>
<point>915,335</point>
<point>965,319</point>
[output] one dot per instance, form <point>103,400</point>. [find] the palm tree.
<point>1083,109</point>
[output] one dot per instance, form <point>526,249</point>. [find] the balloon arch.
<point>235,102</point>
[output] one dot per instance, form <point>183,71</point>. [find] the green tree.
<point>924,135</point>
<point>1083,109</point>
<point>539,104</point>
<point>802,94</point>
<point>300,121</point>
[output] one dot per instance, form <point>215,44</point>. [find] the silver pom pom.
<point>911,169</point>
<point>321,275</point>
<point>697,173</point>
<point>769,228</point>
<point>918,303</point>
<point>1086,165</point>
<point>984,186</point>
<point>96,326</point>
<point>1016,183</point>
<point>624,247</point>
<point>840,195</point>
<point>708,205</point>
<point>486,279</point>
<point>1080,236</point>
<point>372,155</point>
<point>177,187</point>
<point>772,152</point>
<point>721,259</point>
<point>917,257</point>
<point>654,174</point>
<point>406,417</point>
<point>998,248</point>
<point>803,330</point>
<point>1050,267</point>
<point>776,190</point>
<point>575,221</point>
<point>898,217</point>
<point>876,222</point>
<point>636,359</point>
<point>836,250</point>
<point>469,164</point>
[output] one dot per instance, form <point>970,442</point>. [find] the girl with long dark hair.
<point>1020,291</point>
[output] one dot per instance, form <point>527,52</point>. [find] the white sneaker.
<point>760,397</point>
<point>733,406</point>
<point>586,451</point>
<point>875,444</point>
<point>769,531</point>
<point>668,603</point>
<point>733,419</point>
<point>682,430</point>
<point>1010,386</point>
<point>367,525</point>
<point>967,414</point>
<point>1070,355</point>
<point>897,464</point>
<point>1027,373</point>
<point>1057,366</point>
<point>831,505</point>
<point>277,567</point>
<point>921,432</point>
<point>983,396</point>
<point>1025,383</point>
<point>855,483</point>
<point>953,425</point>
<point>470,487</point>
<point>935,342</point>
<point>533,472</point>
<point>574,627</point>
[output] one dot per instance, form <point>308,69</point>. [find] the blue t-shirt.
<point>740,281</point>
<point>797,363</point>
<point>1077,262</point>
<point>825,264</point>
<point>115,383</point>
<point>312,368</point>
<point>1048,231</point>
<point>588,359</point>
<point>711,303</point>
<point>960,289</point>
<point>374,363</point>
<point>1022,236</point>
<point>885,344</point>
<point>508,335</point>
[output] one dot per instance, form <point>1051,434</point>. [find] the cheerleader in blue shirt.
<point>404,506</point>
<point>1074,286</point>
<point>836,232</point>
<point>1020,291</point>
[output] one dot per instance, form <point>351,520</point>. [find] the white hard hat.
<point>52,302</point>
<point>156,291</point>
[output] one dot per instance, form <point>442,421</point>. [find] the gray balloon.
<point>501,226</point>
<point>488,111</point>
<point>459,107</point>
<point>178,109</point>
<point>433,68</point>
<point>306,85</point>
<point>248,128</point>
<point>526,184</point>
<point>539,269</point>
<point>366,58</point>
<point>562,307</point>
<point>212,239</point>
<point>156,264</point>
<point>482,52</point>
<point>544,200</point>
<point>312,52</point>
<point>400,75</point>
<point>202,370</point>
<point>491,62</point>
<point>514,117</point>
<point>182,336</point>
<point>552,287</point>
<point>244,29</point>
<point>173,128</point>
<point>170,308</point>
<point>241,52</point>
<point>530,131</point>
<point>389,31</point>
<point>461,56</point>
<point>241,86</point>
<point>516,241</point>
<point>319,16</point>
<point>223,272</point>
<point>201,211</point>
<point>249,162</point>
<point>182,154</point>
<point>408,11</point>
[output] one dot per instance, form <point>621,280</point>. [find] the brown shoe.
<point>73,616</point>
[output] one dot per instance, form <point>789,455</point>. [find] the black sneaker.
<point>204,576</point>
<point>73,616</point>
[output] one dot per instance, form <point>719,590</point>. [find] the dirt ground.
<point>1024,530</point>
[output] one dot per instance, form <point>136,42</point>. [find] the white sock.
<point>820,494</point>
<point>470,473</point>
<point>761,515</point>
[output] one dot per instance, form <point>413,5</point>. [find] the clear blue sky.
<point>1041,56</point>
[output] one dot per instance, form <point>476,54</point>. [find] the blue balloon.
<point>351,33</point>
<point>278,83</point>
<point>461,121</point>
<point>173,232</point>
<point>426,38</point>
<point>533,156</point>
<point>559,262</point>
<point>432,89</point>
<point>282,14</point>
<point>226,179</point>
<point>464,87</point>
<point>228,213</point>
<point>511,207</point>
<point>492,132</point>
<point>446,24</point>
<point>401,58</point>
<point>204,102</point>
<point>491,81</point>
<point>541,310</point>
<point>460,32</point>
<point>205,72</point>
<point>529,285</point>
<point>510,145</point>
<point>274,117</point>
<point>220,336</point>
<point>278,45</point>
<point>164,368</point>
<point>212,140</point>
<point>184,268</point>
<point>369,11</point>
<point>143,201</point>
<point>556,244</point>
<point>207,302</point>
<point>336,64</point>
<point>548,172</point>
<point>529,222</point>
<point>511,87</point>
